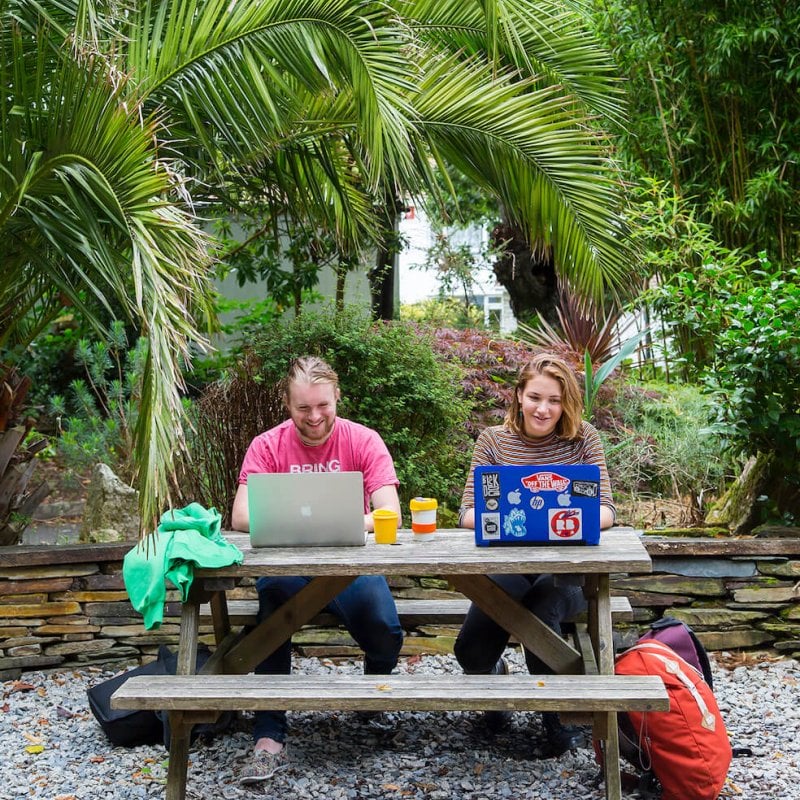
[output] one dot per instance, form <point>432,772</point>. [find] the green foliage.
<point>464,202</point>
<point>671,235</point>
<point>286,260</point>
<point>120,119</point>
<point>657,444</point>
<point>712,89</point>
<point>49,362</point>
<point>454,266</point>
<point>684,259</point>
<point>593,380</point>
<point>98,417</point>
<point>749,324</point>
<point>392,381</point>
<point>755,379</point>
<point>444,312</point>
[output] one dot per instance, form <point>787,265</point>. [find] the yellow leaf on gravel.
<point>34,748</point>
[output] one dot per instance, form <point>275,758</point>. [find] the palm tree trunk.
<point>529,275</point>
<point>383,278</point>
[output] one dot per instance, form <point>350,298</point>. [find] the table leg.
<point>219,616</point>
<point>180,733</point>
<point>600,625</point>
<point>179,730</point>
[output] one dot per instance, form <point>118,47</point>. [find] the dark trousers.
<point>481,641</point>
<point>366,608</point>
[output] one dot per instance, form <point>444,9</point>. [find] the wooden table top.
<point>449,552</point>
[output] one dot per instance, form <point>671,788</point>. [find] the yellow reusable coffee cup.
<point>386,522</point>
<point>423,517</point>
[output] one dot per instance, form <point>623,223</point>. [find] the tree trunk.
<point>383,277</point>
<point>341,278</point>
<point>528,275</point>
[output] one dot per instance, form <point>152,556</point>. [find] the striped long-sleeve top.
<point>499,445</point>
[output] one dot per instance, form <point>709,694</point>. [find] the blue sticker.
<point>514,523</point>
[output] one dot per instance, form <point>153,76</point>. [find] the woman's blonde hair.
<point>308,369</point>
<point>554,367</point>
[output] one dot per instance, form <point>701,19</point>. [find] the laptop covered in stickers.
<point>538,504</point>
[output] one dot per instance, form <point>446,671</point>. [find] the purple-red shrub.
<point>490,366</point>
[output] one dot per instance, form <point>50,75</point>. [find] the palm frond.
<point>538,157</point>
<point>548,41</point>
<point>220,69</point>
<point>84,205</point>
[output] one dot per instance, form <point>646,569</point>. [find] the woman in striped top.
<point>543,425</point>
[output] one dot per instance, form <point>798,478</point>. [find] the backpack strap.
<point>673,667</point>
<point>702,655</point>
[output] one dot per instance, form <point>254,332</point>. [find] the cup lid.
<point>423,503</point>
<point>384,513</point>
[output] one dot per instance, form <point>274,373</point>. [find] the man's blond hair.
<point>308,369</point>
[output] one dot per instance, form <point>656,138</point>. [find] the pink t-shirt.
<point>350,448</point>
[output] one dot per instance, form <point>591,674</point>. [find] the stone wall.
<point>67,605</point>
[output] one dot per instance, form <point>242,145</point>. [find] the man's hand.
<point>385,497</point>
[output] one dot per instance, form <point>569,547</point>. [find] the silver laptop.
<point>289,509</point>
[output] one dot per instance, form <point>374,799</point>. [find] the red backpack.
<point>684,751</point>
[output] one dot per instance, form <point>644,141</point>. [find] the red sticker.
<point>545,482</point>
<point>565,523</point>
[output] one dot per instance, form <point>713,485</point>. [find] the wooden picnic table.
<point>585,681</point>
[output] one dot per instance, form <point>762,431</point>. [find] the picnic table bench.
<point>412,612</point>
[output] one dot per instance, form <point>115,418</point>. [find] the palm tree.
<point>122,123</point>
<point>538,148</point>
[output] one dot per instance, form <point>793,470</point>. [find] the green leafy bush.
<point>755,381</point>
<point>442,312</point>
<point>392,381</point>
<point>658,445</point>
<point>49,361</point>
<point>97,418</point>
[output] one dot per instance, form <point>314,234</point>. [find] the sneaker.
<point>377,721</point>
<point>495,721</point>
<point>559,738</point>
<point>263,766</point>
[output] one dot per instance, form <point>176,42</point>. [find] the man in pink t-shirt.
<point>314,439</point>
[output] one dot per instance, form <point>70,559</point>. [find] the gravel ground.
<point>53,748</point>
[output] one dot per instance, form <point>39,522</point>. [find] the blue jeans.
<point>481,641</point>
<point>366,608</point>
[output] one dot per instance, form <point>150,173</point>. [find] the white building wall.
<point>417,284</point>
